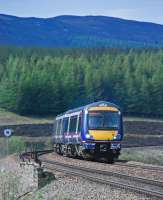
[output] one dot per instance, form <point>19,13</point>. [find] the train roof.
<point>105,103</point>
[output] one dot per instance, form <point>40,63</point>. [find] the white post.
<point>7,134</point>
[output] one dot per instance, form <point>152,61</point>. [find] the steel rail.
<point>34,154</point>
<point>85,173</point>
<point>151,168</point>
<point>109,173</point>
<point>39,152</point>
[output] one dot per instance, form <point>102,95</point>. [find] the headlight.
<point>117,137</point>
<point>87,136</point>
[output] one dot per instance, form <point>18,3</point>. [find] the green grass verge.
<point>18,144</point>
<point>12,118</point>
<point>15,145</point>
<point>7,117</point>
<point>143,119</point>
<point>145,155</point>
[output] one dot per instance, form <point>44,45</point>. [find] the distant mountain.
<point>77,31</point>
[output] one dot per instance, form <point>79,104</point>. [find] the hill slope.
<point>76,31</point>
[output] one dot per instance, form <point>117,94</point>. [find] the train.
<point>93,131</point>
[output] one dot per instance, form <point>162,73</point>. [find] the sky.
<point>140,10</point>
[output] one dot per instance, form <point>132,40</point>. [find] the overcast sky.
<point>142,10</point>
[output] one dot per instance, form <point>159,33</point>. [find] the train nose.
<point>103,134</point>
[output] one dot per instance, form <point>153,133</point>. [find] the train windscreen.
<point>103,120</point>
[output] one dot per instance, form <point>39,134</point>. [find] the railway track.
<point>145,167</point>
<point>148,187</point>
<point>109,173</point>
<point>140,185</point>
<point>36,154</point>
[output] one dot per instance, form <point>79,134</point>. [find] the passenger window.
<point>61,127</point>
<point>58,127</point>
<point>65,125</point>
<point>79,125</point>
<point>56,130</point>
<point>73,123</point>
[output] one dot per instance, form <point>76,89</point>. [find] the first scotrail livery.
<point>93,131</point>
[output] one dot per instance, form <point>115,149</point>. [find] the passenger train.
<point>93,131</point>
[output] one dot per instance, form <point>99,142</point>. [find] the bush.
<point>16,145</point>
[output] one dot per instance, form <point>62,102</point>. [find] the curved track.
<point>140,185</point>
<point>147,187</point>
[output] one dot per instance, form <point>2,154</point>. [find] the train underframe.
<point>98,152</point>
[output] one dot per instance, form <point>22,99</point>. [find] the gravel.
<point>67,187</point>
<point>75,188</point>
<point>154,175</point>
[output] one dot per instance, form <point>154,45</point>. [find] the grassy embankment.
<point>7,117</point>
<point>18,144</point>
<point>12,118</point>
<point>147,155</point>
<point>143,119</point>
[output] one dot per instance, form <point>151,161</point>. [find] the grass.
<point>9,186</point>
<point>18,144</point>
<point>142,140</point>
<point>7,118</point>
<point>143,119</point>
<point>145,155</point>
<point>15,144</point>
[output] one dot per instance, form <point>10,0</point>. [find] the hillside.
<point>77,31</point>
<point>10,118</point>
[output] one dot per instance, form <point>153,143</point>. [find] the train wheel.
<point>58,149</point>
<point>64,149</point>
<point>73,151</point>
<point>69,150</point>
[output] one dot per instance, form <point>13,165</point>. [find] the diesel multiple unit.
<point>92,131</point>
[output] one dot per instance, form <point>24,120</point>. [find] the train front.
<point>104,131</point>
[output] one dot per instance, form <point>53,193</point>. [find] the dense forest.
<point>50,81</point>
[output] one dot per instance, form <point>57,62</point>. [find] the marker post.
<point>7,134</point>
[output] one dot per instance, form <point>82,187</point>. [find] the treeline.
<point>50,81</point>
